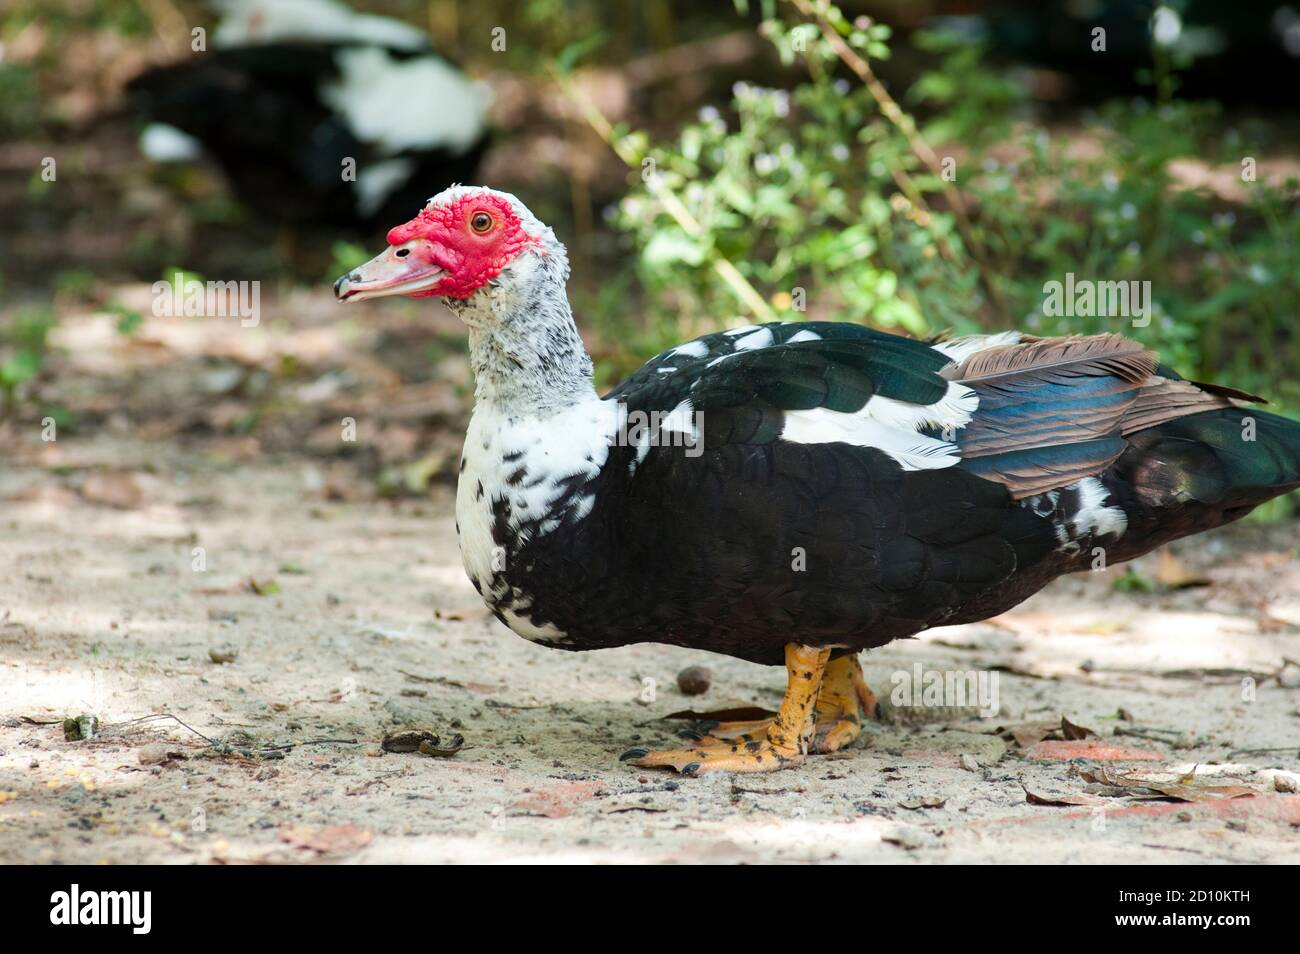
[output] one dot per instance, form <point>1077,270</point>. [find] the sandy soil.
<point>104,613</point>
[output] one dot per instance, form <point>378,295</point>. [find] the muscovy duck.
<point>812,489</point>
<point>291,89</point>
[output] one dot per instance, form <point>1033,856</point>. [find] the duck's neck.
<point>525,350</point>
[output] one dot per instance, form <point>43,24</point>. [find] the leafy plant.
<point>23,347</point>
<point>831,201</point>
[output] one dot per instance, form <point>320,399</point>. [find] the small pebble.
<point>1284,783</point>
<point>155,753</point>
<point>694,680</point>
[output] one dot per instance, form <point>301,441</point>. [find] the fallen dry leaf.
<point>407,740</point>
<point>45,494</point>
<point>1174,574</point>
<point>438,749</point>
<point>1060,801</point>
<point>1073,733</point>
<point>929,801</point>
<point>125,490</point>
<point>554,801</point>
<point>1029,734</point>
<point>329,840</point>
<point>1183,789</point>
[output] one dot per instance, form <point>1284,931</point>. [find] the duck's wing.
<point>804,382</point>
<point>1051,411</point>
<point>1032,414</point>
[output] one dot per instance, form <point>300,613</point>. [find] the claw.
<point>815,719</point>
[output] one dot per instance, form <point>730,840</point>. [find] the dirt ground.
<point>312,620</point>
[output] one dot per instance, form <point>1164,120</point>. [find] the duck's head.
<point>469,244</point>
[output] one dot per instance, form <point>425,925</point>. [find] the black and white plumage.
<point>291,90</point>
<point>811,483</point>
<point>826,506</point>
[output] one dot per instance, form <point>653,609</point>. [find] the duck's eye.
<point>481,222</point>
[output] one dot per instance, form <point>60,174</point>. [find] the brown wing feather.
<point>1091,355</point>
<point>1133,398</point>
<point>1162,399</point>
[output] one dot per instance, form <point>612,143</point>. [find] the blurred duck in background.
<point>318,115</point>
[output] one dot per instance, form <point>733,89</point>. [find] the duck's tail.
<point>1201,471</point>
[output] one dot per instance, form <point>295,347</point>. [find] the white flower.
<point>1166,26</point>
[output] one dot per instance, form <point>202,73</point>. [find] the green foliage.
<point>128,319</point>
<point>74,282</point>
<point>345,257</point>
<point>1133,582</point>
<point>575,52</point>
<point>19,102</point>
<point>178,277</point>
<point>23,347</point>
<point>813,191</point>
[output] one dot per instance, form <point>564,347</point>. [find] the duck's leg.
<point>845,700</point>
<point>785,742</point>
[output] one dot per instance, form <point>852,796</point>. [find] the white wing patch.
<point>891,426</point>
<point>163,143</point>
<point>247,22</point>
<point>762,338</point>
<point>954,410</point>
<point>692,349</point>
<point>887,424</point>
<point>387,101</point>
<point>913,451</point>
<point>804,335</point>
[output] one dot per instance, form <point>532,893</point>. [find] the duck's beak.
<point>398,270</point>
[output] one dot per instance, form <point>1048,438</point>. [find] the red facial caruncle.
<point>447,251</point>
